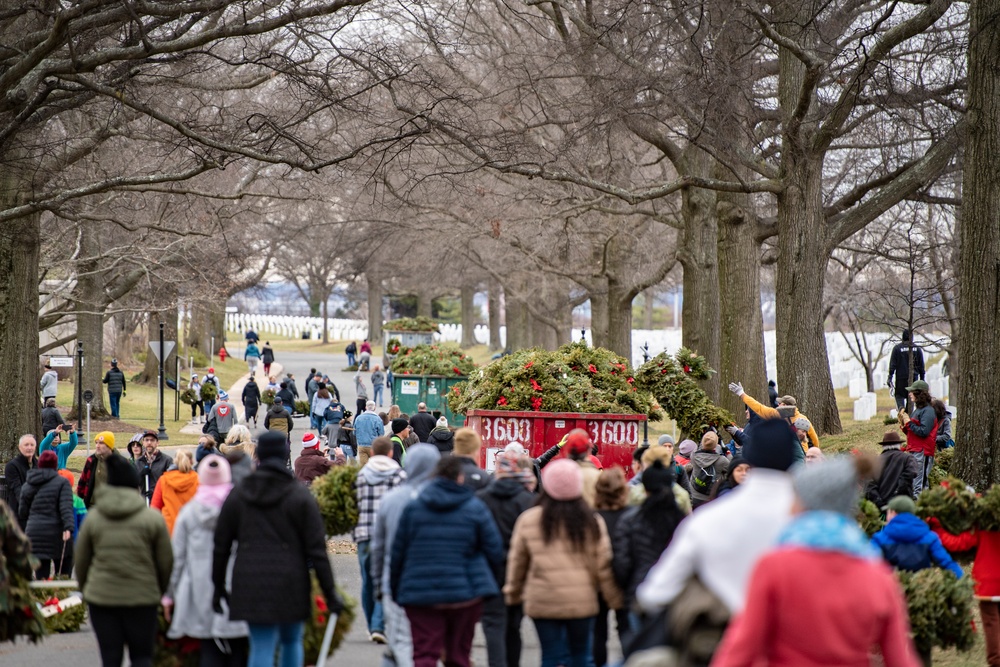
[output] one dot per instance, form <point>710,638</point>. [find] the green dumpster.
<point>409,390</point>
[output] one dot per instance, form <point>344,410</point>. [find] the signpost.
<point>162,350</point>
<point>79,387</point>
<point>88,396</point>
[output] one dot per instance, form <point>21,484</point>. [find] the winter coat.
<point>475,477</point>
<point>115,380</point>
<point>554,580</point>
<point>49,384</point>
<point>921,431</point>
<point>267,354</point>
<point>46,510</point>
<point>310,465</point>
<point>279,532</point>
<point>172,492</point>
<point>240,465</point>
<point>899,365</point>
<point>423,423</point>
<point>251,397</point>
<point>636,549</point>
<point>224,415</point>
<point>62,450</point>
<point>291,386</point>
<point>442,438</point>
<point>506,499</point>
<point>51,417</point>
<point>908,543</point>
<point>445,546</point>
<point>398,449</point>
<point>153,470</point>
<point>288,398</point>
<point>359,387</point>
<point>251,352</point>
<point>319,404</point>
<point>16,474</point>
<point>985,566</point>
<point>379,476</point>
<point>378,379</point>
<point>278,419</point>
<point>898,469</point>
<point>193,543</point>
<point>944,438</point>
<point>772,396</point>
<point>123,554</point>
<point>709,462</point>
<point>367,427</point>
<point>810,608</point>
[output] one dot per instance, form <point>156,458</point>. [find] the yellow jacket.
<point>767,412</point>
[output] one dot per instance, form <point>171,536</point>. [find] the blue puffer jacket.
<point>909,544</point>
<point>445,546</point>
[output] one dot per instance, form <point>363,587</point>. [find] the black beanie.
<point>121,472</point>
<point>272,445</point>
<point>771,445</point>
<point>657,477</point>
<point>398,424</point>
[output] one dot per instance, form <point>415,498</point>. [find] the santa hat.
<point>310,441</point>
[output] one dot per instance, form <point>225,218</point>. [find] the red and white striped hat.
<point>309,440</point>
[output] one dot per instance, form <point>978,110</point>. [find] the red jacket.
<point>986,566</point>
<point>809,608</point>
<point>916,443</point>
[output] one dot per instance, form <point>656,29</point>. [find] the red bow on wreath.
<point>535,385</point>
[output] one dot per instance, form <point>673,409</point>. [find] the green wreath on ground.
<point>672,380</point>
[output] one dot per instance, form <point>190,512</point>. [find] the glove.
<point>730,429</point>
<point>217,599</point>
<point>123,393</point>
<point>562,443</point>
<point>736,388</point>
<point>889,383</point>
<point>336,603</point>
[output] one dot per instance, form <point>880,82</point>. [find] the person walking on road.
<point>361,391</point>
<point>423,422</point>
<point>115,380</point>
<point>278,418</point>
<point>251,355</point>
<point>95,469</point>
<point>273,524</point>
<point>352,353</point>
<point>123,565</point>
<point>46,512</point>
<point>49,383</point>
<point>378,385</point>
<point>187,606</point>
<point>445,518</point>
<point>152,465</point>
<point>197,405</point>
<point>379,476</point>
<point>51,417</point>
<point>251,401</point>
<point>223,416</point>
<point>267,357</point>
<point>175,488</point>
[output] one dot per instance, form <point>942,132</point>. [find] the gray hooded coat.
<point>191,582</point>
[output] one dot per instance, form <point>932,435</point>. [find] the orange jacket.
<point>173,490</point>
<point>767,412</point>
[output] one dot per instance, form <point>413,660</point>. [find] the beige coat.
<point>553,580</point>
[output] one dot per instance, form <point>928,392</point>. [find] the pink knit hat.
<point>563,480</point>
<point>213,471</point>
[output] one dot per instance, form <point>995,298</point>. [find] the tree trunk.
<point>516,320</point>
<point>647,308</point>
<point>700,310</point>
<point>151,369</point>
<point>977,451</point>
<point>742,324</point>
<point>599,321</point>
<point>493,308</point>
<point>19,254</point>
<point>89,303</point>
<point>326,321</point>
<point>424,303</point>
<point>468,316</point>
<point>374,309</point>
<point>619,332</point>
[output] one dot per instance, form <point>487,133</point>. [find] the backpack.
<point>704,478</point>
<point>333,413</point>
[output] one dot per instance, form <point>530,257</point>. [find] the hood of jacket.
<point>705,459</point>
<point>118,502</point>
<point>906,528</point>
<point>39,476</point>
<point>444,495</point>
<point>276,410</point>
<point>267,486</point>
<point>206,516</point>
<point>182,482</point>
<point>421,460</point>
<point>441,434</point>
<point>379,469</point>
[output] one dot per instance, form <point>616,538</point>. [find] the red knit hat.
<point>48,459</point>
<point>310,441</point>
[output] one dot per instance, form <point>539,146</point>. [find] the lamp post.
<point>79,388</point>
<point>162,435</point>
<point>89,397</point>
<point>645,422</point>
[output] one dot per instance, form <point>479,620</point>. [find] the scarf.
<point>212,496</point>
<point>827,531</point>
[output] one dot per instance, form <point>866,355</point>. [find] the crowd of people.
<point>730,551</point>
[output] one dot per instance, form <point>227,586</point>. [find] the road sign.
<point>168,347</point>
<point>88,396</point>
<point>61,362</point>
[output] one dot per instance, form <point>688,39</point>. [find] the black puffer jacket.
<point>46,510</point>
<point>51,417</point>
<point>16,474</point>
<point>443,439</point>
<point>279,531</point>
<point>505,499</point>
<point>637,545</point>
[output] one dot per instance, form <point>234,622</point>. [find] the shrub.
<point>421,323</point>
<point>437,359</point>
<point>950,502</point>
<point>337,501</point>
<point>940,608</point>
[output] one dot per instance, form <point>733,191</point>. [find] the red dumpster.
<point>616,435</point>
